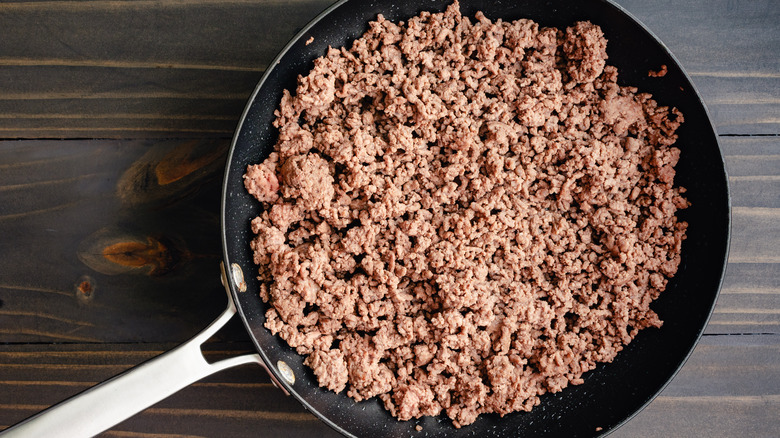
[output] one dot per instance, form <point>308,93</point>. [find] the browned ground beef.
<point>461,216</point>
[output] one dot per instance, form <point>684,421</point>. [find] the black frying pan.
<point>612,393</point>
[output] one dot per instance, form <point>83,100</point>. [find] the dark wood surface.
<point>115,118</point>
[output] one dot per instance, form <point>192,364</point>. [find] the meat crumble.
<point>661,72</point>
<point>461,215</point>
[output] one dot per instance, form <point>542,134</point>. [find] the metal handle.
<point>123,396</point>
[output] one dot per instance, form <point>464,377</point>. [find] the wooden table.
<point>115,117</point>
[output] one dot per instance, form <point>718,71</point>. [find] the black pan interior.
<point>612,393</point>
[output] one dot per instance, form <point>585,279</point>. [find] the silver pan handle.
<point>107,404</point>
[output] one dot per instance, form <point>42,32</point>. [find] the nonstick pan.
<point>610,395</point>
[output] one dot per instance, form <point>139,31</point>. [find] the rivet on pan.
<point>286,372</point>
<point>238,277</point>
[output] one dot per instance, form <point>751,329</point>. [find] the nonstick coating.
<point>612,393</point>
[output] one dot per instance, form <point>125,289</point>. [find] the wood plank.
<point>749,300</point>
<point>730,384</point>
<point>748,145</point>
<point>163,99</point>
<point>757,311</point>
<point>115,69</point>
<point>753,234</point>
<point>755,191</point>
<point>746,277</point>
<point>741,103</point>
<point>95,81</point>
<point>753,165</point>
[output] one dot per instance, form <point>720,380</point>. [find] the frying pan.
<point>611,394</point>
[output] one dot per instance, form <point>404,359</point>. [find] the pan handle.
<point>108,403</point>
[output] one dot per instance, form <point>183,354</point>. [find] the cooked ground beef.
<point>462,215</point>
<point>661,72</point>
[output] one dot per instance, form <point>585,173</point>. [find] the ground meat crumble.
<point>661,72</point>
<point>461,215</point>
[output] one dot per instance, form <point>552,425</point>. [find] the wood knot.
<point>159,256</point>
<point>185,160</point>
<point>85,288</point>
<point>112,252</point>
<point>170,171</point>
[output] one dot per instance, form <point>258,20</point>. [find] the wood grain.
<point>119,69</point>
<point>62,204</point>
<point>729,385</point>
